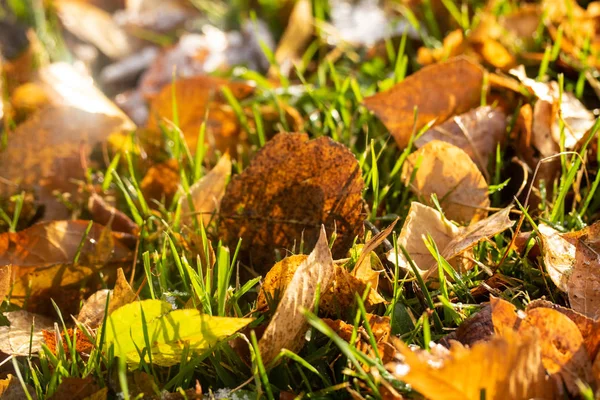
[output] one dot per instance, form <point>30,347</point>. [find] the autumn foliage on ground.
<point>299,199</point>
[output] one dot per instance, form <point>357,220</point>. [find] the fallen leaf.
<point>508,367</point>
<point>194,97</point>
<point>478,132</point>
<point>74,388</point>
<point>207,193</point>
<point>476,328</point>
<point>19,338</point>
<point>295,38</point>
<point>161,182</point>
<point>447,171</point>
<point>562,346</point>
<point>584,283</point>
<point>94,25</point>
<point>559,256</point>
<point>290,188</point>
<point>43,265</point>
<point>83,345</point>
<point>105,214</point>
<point>169,332</point>
<point>94,308</point>
<point>12,389</point>
<point>288,325</point>
<point>439,92</point>
<point>451,241</point>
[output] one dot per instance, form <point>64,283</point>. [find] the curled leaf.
<point>18,338</point>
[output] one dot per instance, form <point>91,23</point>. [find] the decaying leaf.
<point>161,182</point>
<point>290,188</point>
<point>207,193</point>
<point>75,389</point>
<point>105,214</point>
<point>438,92</point>
<point>93,310</point>
<point>83,345</point>
<point>559,256</point>
<point>508,367</point>
<point>18,338</point>
<point>562,346</point>
<point>584,283</point>
<point>477,132</point>
<point>447,171</point>
<point>451,241</point>
<point>194,97</point>
<point>43,261</point>
<point>169,332</point>
<point>288,325</point>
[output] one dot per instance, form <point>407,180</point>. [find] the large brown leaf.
<point>42,260</point>
<point>438,92</point>
<point>445,170</point>
<point>291,187</point>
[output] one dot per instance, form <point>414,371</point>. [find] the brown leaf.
<point>447,171</point>
<point>451,241</point>
<point>477,132</point>
<point>207,193</point>
<point>295,38</point>
<point>559,256</point>
<point>42,259</point>
<point>11,389</point>
<point>93,310</point>
<point>439,92</point>
<point>161,182</point>
<point>584,283</point>
<point>288,325</point>
<point>83,345</point>
<point>105,214</point>
<point>75,389</point>
<point>290,188</point>
<point>16,338</point>
<point>476,328</point>
<point>194,96</point>
<point>508,367</point>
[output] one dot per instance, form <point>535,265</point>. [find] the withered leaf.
<point>451,241</point>
<point>83,345</point>
<point>105,214</point>
<point>161,181</point>
<point>290,188</point>
<point>16,338</point>
<point>508,367</point>
<point>559,256</point>
<point>438,92</point>
<point>447,171</point>
<point>43,261</point>
<point>477,132</point>
<point>207,193</point>
<point>75,388</point>
<point>584,283</point>
<point>194,96</point>
<point>296,38</point>
<point>11,389</point>
<point>563,350</point>
<point>93,310</point>
<point>288,325</point>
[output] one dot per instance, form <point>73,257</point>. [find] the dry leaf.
<point>584,282</point>
<point>447,171</point>
<point>42,259</point>
<point>18,338</point>
<point>94,308</point>
<point>94,25</point>
<point>477,132</point>
<point>161,182</point>
<point>288,325</point>
<point>451,241</point>
<point>207,193</point>
<point>290,188</point>
<point>74,388</point>
<point>564,354</point>
<point>559,256</point>
<point>105,214</point>
<point>81,340</point>
<point>11,389</point>
<point>438,92</point>
<point>508,367</point>
<point>195,96</point>
<point>295,38</point>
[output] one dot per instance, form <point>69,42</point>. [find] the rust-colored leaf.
<point>81,340</point>
<point>161,182</point>
<point>288,325</point>
<point>438,92</point>
<point>291,187</point>
<point>43,262</point>
<point>447,171</point>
